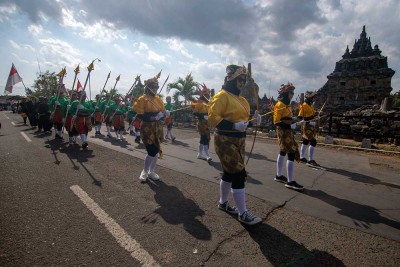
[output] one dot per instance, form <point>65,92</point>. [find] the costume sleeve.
<point>215,108</point>
<point>301,112</point>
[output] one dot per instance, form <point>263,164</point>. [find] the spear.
<point>163,85</point>
<point>76,70</point>
<point>256,111</point>
<point>101,92</point>
<point>61,74</point>
<point>90,68</point>
<point>108,102</point>
<point>108,77</point>
<point>137,78</point>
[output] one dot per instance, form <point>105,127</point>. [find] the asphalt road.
<point>64,206</point>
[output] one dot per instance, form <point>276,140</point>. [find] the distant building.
<point>361,77</point>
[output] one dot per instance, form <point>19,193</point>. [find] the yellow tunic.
<point>200,107</point>
<point>282,113</point>
<point>147,103</point>
<point>306,111</point>
<point>225,105</point>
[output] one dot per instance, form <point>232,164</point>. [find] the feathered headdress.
<point>310,94</point>
<point>286,88</point>
<point>203,90</point>
<point>234,71</point>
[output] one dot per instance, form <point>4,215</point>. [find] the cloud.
<point>177,46</point>
<point>153,56</point>
<point>64,53</point>
<point>285,40</point>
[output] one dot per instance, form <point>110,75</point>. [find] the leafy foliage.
<point>45,85</point>
<point>185,88</point>
<point>396,100</point>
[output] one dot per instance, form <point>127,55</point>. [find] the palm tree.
<point>185,88</point>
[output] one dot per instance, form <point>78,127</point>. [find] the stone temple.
<point>362,77</point>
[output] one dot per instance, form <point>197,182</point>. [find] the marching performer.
<point>150,110</point>
<point>308,129</point>
<point>97,120</point>
<point>81,119</point>
<point>170,121</point>
<point>72,133</point>
<point>107,113</point>
<point>118,110</point>
<point>229,114</point>
<point>134,121</point>
<point>200,110</point>
<point>131,114</point>
<point>58,112</point>
<point>283,122</point>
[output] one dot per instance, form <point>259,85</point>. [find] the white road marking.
<point>26,137</point>
<point>122,237</point>
<point>13,123</point>
<point>6,117</point>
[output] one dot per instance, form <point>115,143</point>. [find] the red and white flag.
<point>78,86</point>
<point>13,79</point>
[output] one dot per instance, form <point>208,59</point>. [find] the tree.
<point>396,100</point>
<point>185,88</point>
<point>45,85</point>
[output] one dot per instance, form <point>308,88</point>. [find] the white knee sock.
<point>311,153</point>
<point>201,149</point>
<point>83,138</point>
<point>224,189</point>
<point>279,164</point>
<point>303,150</point>
<point>153,163</point>
<point>239,195</point>
<point>206,151</point>
<point>147,163</point>
<point>108,130</point>
<point>289,169</point>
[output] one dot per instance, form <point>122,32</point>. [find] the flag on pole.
<point>13,79</point>
<point>78,86</point>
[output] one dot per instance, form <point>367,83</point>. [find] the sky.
<point>285,40</point>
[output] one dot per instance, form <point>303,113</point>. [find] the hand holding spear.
<point>70,99</point>
<point>108,102</point>
<point>90,68</point>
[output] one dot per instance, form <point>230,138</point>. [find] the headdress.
<point>286,88</point>
<point>234,71</point>
<point>203,90</point>
<point>151,81</point>
<point>310,94</point>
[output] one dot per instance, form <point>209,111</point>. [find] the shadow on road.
<point>281,250</point>
<point>362,215</point>
<point>175,208</point>
<point>73,152</point>
<point>362,178</point>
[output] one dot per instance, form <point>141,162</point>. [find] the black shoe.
<point>312,163</point>
<point>132,133</point>
<point>303,160</point>
<point>109,135</point>
<point>229,209</point>
<point>248,219</point>
<point>281,179</point>
<point>137,140</point>
<point>85,145</point>
<point>295,186</point>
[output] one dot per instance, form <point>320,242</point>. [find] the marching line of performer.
<point>227,113</point>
